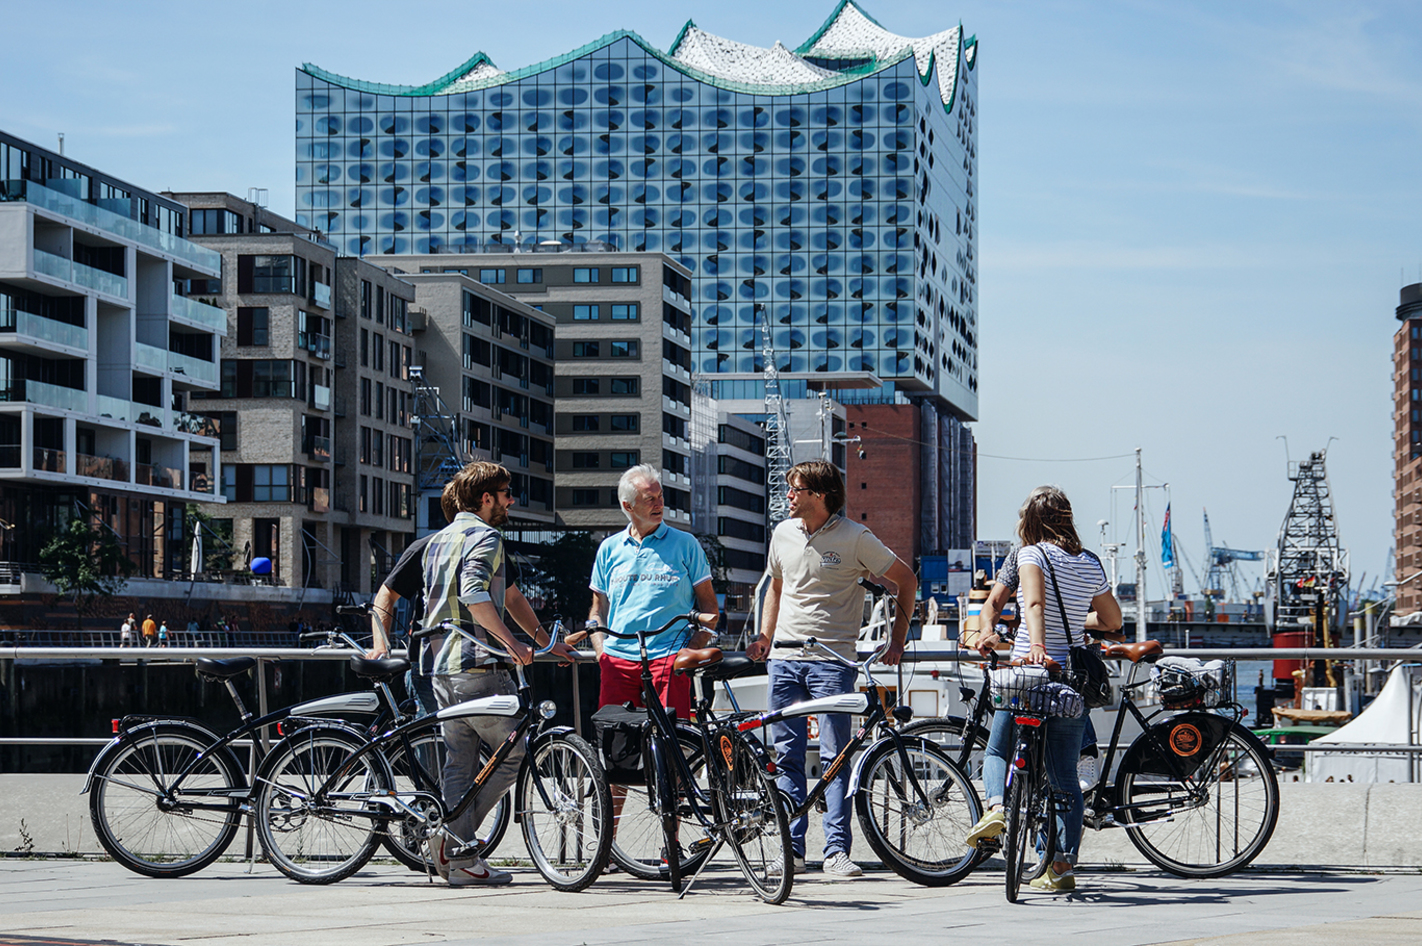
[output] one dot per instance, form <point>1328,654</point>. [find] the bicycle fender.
<point>294,726</point>
<point>1177,746</point>
<point>132,733</point>
<point>858,771</point>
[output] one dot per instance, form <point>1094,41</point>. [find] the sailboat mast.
<point>1140,552</point>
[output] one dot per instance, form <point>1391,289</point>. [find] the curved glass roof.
<point>849,38</point>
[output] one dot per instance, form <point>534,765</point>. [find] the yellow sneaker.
<point>1053,882</point>
<point>989,825</point>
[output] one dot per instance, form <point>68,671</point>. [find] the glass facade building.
<point>831,188</point>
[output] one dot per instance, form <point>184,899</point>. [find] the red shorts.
<point>621,682</point>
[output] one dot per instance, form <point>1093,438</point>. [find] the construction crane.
<point>438,454</point>
<point>1221,563</point>
<point>777,429</point>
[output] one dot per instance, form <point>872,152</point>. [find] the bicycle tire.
<point>639,843</point>
<point>1226,830</point>
<point>318,837</point>
<point>922,845</point>
<point>136,803</point>
<point>570,842</point>
<point>1018,798</point>
<point>665,789</point>
<point>749,809</point>
<point>403,838</point>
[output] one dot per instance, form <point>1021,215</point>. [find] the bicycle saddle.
<point>730,667</point>
<point>383,669</point>
<point>689,659</point>
<point>213,669</point>
<point>1134,652</point>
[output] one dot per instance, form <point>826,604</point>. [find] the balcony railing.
<point>48,330</point>
<point>149,415</point>
<point>103,468</point>
<point>319,345</point>
<point>210,317</point>
<point>320,397</point>
<point>49,461</point>
<point>163,477</point>
<point>186,423</point>
<point>194,368</point>
<point>87,276</point>
<point>150,356</point>
<point>110,222</point>
<point>318,448</point>
<point>50,395</point>
<point>321,294</point>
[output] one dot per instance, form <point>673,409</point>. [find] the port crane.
<point>1220,563</point>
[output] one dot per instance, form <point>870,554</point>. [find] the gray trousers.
<point>462,738</point>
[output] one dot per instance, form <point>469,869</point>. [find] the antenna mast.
<point>777,429</point>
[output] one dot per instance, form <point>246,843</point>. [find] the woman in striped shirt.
<point>1050,550</point>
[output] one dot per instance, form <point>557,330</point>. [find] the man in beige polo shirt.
<point>816,560</point>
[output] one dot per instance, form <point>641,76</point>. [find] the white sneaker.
<point>478,874</point>
<point>840,865</point>
<point>441,863</point>
<point>797,866</point>
<point>1086,772</point>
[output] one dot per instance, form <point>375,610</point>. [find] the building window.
<point>253,326</point>
<point>214,221</point>
<point>491,277</point>
<point>622,459</point>
<point>365,397</point>
<point>528,276</point>
<point>585,350</point>
<point>585,313</point>
<point>585,423</point>
<point>623,422</point>
<point>624,313</point>
<point>272,274</point>
<point>585,461</point>
<point>626,349</point>
<point>585,274</point>
<point>624,274</point>
<point>585,497</point>
<point>624,387</point>
<point>586,386</point>
<point>229,482</point>
<point>271,483</point>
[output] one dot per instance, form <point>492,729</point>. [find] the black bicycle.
<point>326,797</point>
<point>1195,791</point>
<point>707,786</point>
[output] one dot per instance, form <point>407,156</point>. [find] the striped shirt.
<point>1079,577</point>
<point>464,565</point>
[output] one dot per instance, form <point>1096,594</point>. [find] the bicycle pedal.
<point>822,806</point>
<point>1100,822</point>
<point>462,851</point>
<point>699,845</point>
<point>990,845</point>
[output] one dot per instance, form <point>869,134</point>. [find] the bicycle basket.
<point>1032,690</point>
<point>1186,683</point>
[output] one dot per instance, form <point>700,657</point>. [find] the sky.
<point>1194,217</point>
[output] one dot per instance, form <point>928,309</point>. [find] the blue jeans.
<point>1063,749</point>
<point>794,681</point>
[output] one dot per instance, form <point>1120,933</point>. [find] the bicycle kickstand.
<point>686,888</point>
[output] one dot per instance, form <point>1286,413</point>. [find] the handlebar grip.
<point>416,633</point>
<point>353,609</point>
<point>873,588</point>
<point>313,635</point>
<point>777,645</point>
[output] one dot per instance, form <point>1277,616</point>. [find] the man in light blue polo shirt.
<point>643,577</point>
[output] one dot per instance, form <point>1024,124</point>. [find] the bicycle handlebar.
<point>812,642</point>
<point>691,617</point>
<point>877,590</point>
<point>554,633</point>
<point>366,608</point>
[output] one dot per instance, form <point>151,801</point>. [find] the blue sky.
<point>1194,217</point>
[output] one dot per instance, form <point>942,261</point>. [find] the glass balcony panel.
<point>150,356</point>
<point>53,395</point>
<point>208,316</point>
<point>196,424</point>
<point>321,295</point>
<point>320,499</point>
<point>148,414</point>
<point>103,468</point>
<point>51,264</point>
<point>194,368</point>
<point>115,224</point>
<point>101,281</point>
<point>320,397</point>
<point>115,408</point>
<point>35,326</point>
<point>49,461</point>
<point>143,474</point>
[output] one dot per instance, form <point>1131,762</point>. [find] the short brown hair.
<point>471,483</point>
<point>820,476</point>
<point>1046,517</point>
<point>447,503</point>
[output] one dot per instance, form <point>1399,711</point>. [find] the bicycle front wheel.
<point>640,846</point>
<point>567,811</point>
<point>1211,824</point>
<point>750,813</point>
<point>417,765</point>
<point>914,809</point>
<point>315,836</point>
<point>163,809</point>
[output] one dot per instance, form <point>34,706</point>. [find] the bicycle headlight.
<point>547,709</point>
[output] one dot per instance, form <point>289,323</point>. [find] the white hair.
<point>627,486</point>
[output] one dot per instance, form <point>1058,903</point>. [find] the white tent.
<point>1393,719</point>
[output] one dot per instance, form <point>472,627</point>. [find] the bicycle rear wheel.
<point>753,819</point>
<point>948,733</point>
<point>639,845</point>
<point>1216,822</point>
<point>921,842</point>
<point>1019,795</point>
<point>569,837</point>
<point>422,769</point>
<point>155,820</point>
<point>314,836</point>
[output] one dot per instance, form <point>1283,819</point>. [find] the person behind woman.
<point>1050,547</point>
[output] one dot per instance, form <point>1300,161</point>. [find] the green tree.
<point>217,551</point>
<point>716,558</point>
<point>85,563</point>
<point>563,568</point>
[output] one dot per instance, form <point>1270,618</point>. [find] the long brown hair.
<point>1046,517</point>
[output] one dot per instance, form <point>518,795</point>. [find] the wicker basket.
<point>1032,690</point>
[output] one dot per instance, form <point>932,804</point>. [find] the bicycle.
<point>167,793</point>
<point>913,801</point>
<point>325,796</point>
<point>705,775</point>
<point>1195,791</point>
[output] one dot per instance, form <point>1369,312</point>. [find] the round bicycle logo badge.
<point>1185,740</point>
<point>727,750</point>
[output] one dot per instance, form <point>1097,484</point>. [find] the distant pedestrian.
<point>126,632</point>
<point>150,631</point>
<point>193,633</point>
<point>163,634</point>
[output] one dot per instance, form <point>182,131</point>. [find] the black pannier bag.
<point>620,737</point>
